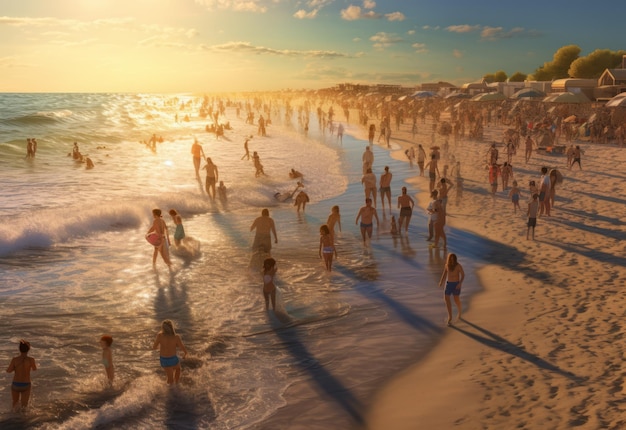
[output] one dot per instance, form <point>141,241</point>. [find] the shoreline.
<point>523,354</point>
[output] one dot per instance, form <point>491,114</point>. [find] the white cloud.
<point>247,47</point>
<point>369,4</point>
<point>303,14</point>
<point>410,32</point>
<point>257,6</point>
<point>419,48</point>
<point>395,16</point>
<point>356,39</point>
<point>492,33</point>
<point>465,28</point>
<point>457,54</point>
<point>383,40</point>
<point>353,13</point>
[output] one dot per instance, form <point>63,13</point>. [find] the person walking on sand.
<point>515,195</point>
<point>406,205</point>
<point>168,342</point>
<point>367,214</point>
<point>333,218</point>
<point>385,187</point>
<point>530,143</point>
<point>159,227</point>
<point>533,208</point>
<point>444,188</point>
<point>327,247</point>
<point>421,157</point>
<point>433,171</point>
<point>107,357</point>
<point>269,289</point>
<point>21,385</point>
<point>198,155</point>
<point>179,233</point>
<point>212,177</point>
<point>544,192</point>
<point>265,227</point>
<point>576,157</point>
<point>454,275</point>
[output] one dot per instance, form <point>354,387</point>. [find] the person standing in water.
<point>211,177</point>
<point>198,155</point>
<point>21,385</point>
<point>269,289</point>
<point>179,234</point>
<point>245,147</point>
<point>405,204</point>
<point>107,357</point>
<point>333,218</point>
<point>327,247</point>
<point>264,226</point>
<point>455,275</point>
<point>168,342</point>
<point>385,188</point>
<point>367,214</point>
<point>160,228</point>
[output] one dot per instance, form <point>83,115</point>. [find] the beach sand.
<point>542,347</point>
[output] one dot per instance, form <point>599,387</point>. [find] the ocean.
<point>74,265</point>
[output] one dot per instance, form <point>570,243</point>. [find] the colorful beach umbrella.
<point>567,97</point>
<point>529,93</point>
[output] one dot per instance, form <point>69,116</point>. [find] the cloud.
<point>248,48</point>
<point>303,14</point>
<point>419,48</point>
<point>410,32</point>
<point>356,39</point>
<point>457,54</point>
<point>369,4</point>
<point>395,16</point>
<point>383,40</point>
<point>10,63</point>
<point>493,33</point>
<point>353,13</point>
<point>256,6</point>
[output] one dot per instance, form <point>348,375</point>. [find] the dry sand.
<point>542,347</point>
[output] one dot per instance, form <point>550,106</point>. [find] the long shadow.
<point>601,256</point>
<point>324,380</point>
<point>595,217</point>
<point>492,340</point>
<point>619,235</point>
<point>597,196</point>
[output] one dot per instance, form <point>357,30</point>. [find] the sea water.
<point>74,265</point>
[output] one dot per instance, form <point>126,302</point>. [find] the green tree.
<point>560,64</point>
<point>592,66</point>
<point>518,77</point>
<point>500,76</point>
<point>489,78</point>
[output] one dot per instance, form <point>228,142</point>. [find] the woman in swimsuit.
<point>179,234</point>
<point>168,342</point>
<point>455,275</point>
<point>333,218</point>
<point>21,365</point>
<point>327,247</point>
<point>160,228</point>
<point>107,357</point>
<point>269,289</point>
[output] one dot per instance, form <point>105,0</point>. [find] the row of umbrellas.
<point>523,94</point>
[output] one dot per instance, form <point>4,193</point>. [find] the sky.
<point>265,45</point>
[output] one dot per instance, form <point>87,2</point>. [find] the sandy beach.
<point>542,346</point>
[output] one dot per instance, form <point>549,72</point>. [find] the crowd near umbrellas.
<point>617,101</point>
<point>567,97</point>
<point>529,93</point>
<point>489,97</point>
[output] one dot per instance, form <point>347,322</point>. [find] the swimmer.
<point>21,385</point>
<point>167,341</point>
<point>107,357</point>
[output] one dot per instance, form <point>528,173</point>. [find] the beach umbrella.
<point>529,93</point>
<point>457,95</point>
<point>567,97</point>
<point>402,98</point>
<point>617,101</point>
<point>423,94</point>
<point>488,97</point>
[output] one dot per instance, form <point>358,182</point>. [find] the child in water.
<point>179,234</point>
<point>21,365</point>
<point>107,357</point>
<point>327,247</point>
<point>269,289</point>
<point>394,226</point>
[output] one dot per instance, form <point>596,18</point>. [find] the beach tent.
<point>529,93</point>
<point>488,97</point>
<point>423,94</point>
<point>567,97</point>
<point>617,101</point>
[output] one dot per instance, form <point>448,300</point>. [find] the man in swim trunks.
<point>21,365</point>
<point>385,188</point>
<point>366,214</point>
<point>369,184</point>
<point>198,155</point>
<point>406,204</point>
<point>264,226</point>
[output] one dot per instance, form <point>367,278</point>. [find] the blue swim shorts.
<point>451,289</point>
<point>169,361</point>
